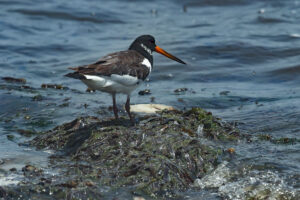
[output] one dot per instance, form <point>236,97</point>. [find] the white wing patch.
<point>124,79</point>
<point>98,81</point>
<point>112,84</point>
<point>94,78</point>
<point>147,64</point>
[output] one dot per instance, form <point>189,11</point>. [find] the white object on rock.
<point>149,108</point>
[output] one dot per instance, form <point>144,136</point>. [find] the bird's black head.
<point>145,45</point>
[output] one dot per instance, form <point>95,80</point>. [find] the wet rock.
<point>14,80</point>
<point>46,180</point>
<point>224,93</point>
<point>70,184</point>
<point>89,183</point>
<point>37,97</point>
<point>30,170</point>
<point>231,150</point>
<point>26,87</point>
<point>286,140</point>
<point>145,92</point>
<point>64,105</point>
<point>13,169</point>
<point>158,157</point>
<point>261,11</point>
<point>2,192</point>
<point>180,90</point>
<point>161,155</point>
<point>89,90</point>
<point>26,133</point>
<point>27,117</point>
<point>152,99</point>
<point>53,86</point>
<point>283,140</point>
<point>180,100</point>
<point>78,130</point>
<point>10,137</point>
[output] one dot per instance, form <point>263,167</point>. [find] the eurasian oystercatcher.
<point>123,71</point>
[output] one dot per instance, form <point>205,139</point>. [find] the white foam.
<point>9,180</point>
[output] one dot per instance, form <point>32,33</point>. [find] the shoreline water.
<point>242,57</point>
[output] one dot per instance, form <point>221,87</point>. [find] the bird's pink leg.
<point>127,107</point>
<point>115,106</point>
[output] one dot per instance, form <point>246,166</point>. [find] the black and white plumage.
<point>121,72</point>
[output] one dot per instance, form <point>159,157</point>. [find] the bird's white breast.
<point>147,64</point>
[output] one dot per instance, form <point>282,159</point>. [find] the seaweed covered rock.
<point>160,155</point>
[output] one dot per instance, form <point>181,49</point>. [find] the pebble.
<point>231,150</point>
<point>224,93</point>
<point>37,97</point>
<point>145,92</point>
<point>90,90</point>
<point>261,11</point>
<point>16,80</point>
<point>28,168</point>
<point>13,169</point>
<point>54,86</point>
<point>2,193</point>
<point>180,90</point>
<point>89,183</point>
<point>138,198</point>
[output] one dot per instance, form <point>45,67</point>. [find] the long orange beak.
<point>163,52</point>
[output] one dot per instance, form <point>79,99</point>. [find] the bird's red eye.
<point>152,41</point>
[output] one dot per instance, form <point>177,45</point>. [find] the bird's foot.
<point>133,121</point>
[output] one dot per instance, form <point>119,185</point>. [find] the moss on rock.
<point>163,154</point>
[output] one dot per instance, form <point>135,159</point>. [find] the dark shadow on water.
<point>67,16</point>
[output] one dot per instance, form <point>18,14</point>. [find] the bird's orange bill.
<point>163,52</point>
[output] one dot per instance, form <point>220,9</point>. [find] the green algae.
<point>282,140</point>
<point>212,127</point>
<point>160,156</point>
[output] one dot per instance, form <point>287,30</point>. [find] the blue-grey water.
<point>243,65</point>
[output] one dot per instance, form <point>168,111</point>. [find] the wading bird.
<point>123,71</point>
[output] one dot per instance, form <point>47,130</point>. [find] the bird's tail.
<point>75,75</point>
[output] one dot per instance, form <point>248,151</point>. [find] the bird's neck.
<point>143,50</point>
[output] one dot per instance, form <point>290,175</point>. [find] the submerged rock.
<point>144,92</point>
<point>53,86</point>
<point>160,156</point>
<point>14,80</point>
<point>179,90</point>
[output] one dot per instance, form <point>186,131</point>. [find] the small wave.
<point>198,25</point>
<point>37,50</point>
<point>244,52</point>
<point>295,35</point>
<point>259,185</point>
<point>67,16</point>
<point>294,70</point>
<point>286,74</point>
<point>9,180</point>
<point>217,3</point>
<point>277,38</point>
<point>268,20</point>
<point>253,184</point>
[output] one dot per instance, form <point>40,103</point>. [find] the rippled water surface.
<point>243,65</point>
